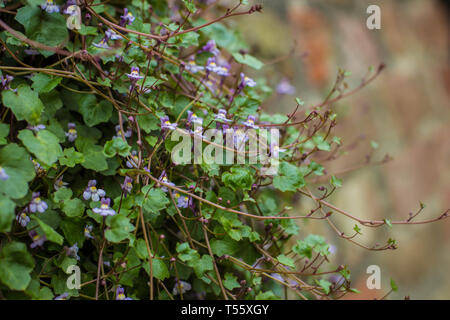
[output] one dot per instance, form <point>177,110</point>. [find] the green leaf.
<point>71,158</point>
<point>50,234</point>
<point>44,145</point>
<point>120,228</point>
<point>230,282</point>
<point>336,182</point>
<point>224,246</point>
<point>388,222</point>
<point>238,178</point>
<point>18,166</point>
<point>286,261</point>
<point>94,113</point>
<point>394,286</point>
<point>15,266</point>
<point>190,5</point>
<point>43,83</point>
<point>160,270</point>
<point>325,285</point>
<point>73,207</point>
<point>73,230</point>
<point>268,295</point>
<point>248,60</point>
<point>6,213</point>
<point>289,178</point>
<point>202,265</point>
<point>25,103</point>
<point>4,131</point>
<point>311,243</point>
<point>62,194</point>
<point>116,146</point>
<point>155,199</point>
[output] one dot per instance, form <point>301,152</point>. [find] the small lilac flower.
<point>73,251</point>
<point>31,52</point>
<point>134,75</point>
<point>181,287</point>
<point>3,175</point>
<point>246,81</point>
<point>163,178</point>
<point>23,219</point>
<point>38,240</point>
<point>182,201</point>
<point>59,183</point>
<point>221,116</point>
<point>192,66</point>
<point>37,167</point>
<point>37,204</point>
<point>166,124</point>
<point>112,35</point>
<point>198,132</point>
<point>63,296</point>
<point>240,137</point>
<point>211,84</point>
<point>212,66</point>
<point>127,17</point>
<point>91,191</point>
<point>103,44</point>
<point>120,294</point>
<point>88,231</point>
<point>50,7</point>
<point>105,209</point>
<point>134,161</point>
<point>36,128</point>
<point>250,122</point>
<point>127,185</point>
<point>275,150</point>
<point>193,118</point>
<point>210,47</point>
<point>284,87</point>
<point>127,134</point>
<point>71,133</point>
<point>5,82</point>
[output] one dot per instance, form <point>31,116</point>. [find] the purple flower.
<point>212,66</point>
<point>182,201</point>
<point>181,287</point>
<point>59,183</point>
<point>3,175</point>
<point>127,17</point>
<point>5,82</point>
<point>112,35</point>
<point>36,128</point>
<point>134,75</point>
<point>105,209</point>
<point>50,7</point>
<point>192,66</point>
<point>246,82</point>
<point>23,219</point>
<point>134,160</point>
<point>37,204</point>
<point>198,132</point>
<point>71,133</point>
<point>127,134</point>
<point>91,191</point>
<point>120,294</point>
<point>210,47</point>
<point>166,124</point>
<point>37,167</point>
<point>38,240</point>
<point>63,296</point>
<point>239,137</point>
<point>211,84</point>
<point>103,44</point>
<point>284,87</point>
<point>250,122</point>
<point>163,178</point>
<point>193,118</point>
<point>275,150</point>
<point>221,116</point>
<point>88,231</point>
<point>73,251</point>
<point>127,185</point>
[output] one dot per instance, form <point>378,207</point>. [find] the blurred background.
<point>406,110</point>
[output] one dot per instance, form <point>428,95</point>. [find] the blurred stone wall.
<point>406,110</point>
